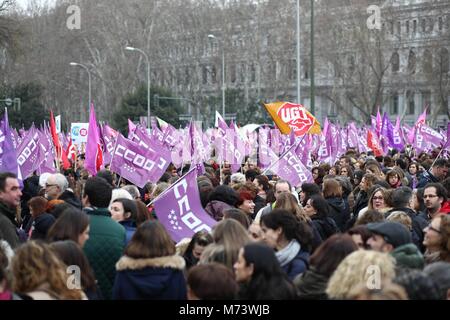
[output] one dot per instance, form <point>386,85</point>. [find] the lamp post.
<point>313,100</point>
<point>211,36</point>
<point>148,81</point>
<point>298,52</point>
<point>89,78</point>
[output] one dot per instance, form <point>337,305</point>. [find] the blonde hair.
<point>401,217</point>
<point>388,291</point>
<point>35,267</point>
<point>357,269</point>
<point>233,236</point>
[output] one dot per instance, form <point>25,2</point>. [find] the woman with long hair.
<point>41,275</point>
<point>437,240</point>
<point>73,224</point>
<point>312,284</point>
<point>318,210</point>
<point>149,269</point>
<point>196,247</point>
<point>290,238</point>
<point>258,271</point>
<point>71,254</point>
<point>124,211</point>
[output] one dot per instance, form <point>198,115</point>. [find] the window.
<point>213,74</point>
<point>411,104</point>
<point>407,27</point>
<point>232,72</point>
<point>292,69</point>
<point>426,99</point>
<point>427,61</point>
<point>242,72</point>
<point>414,26</point>
<point>443,60</point>
<point>204,75</point>
<point>351,64</point>
<point>252,73</point>
<point>394,104</point>
<point>392,27</point>
<point>424,25</point>
<point>440,24</point>
<point>412,61</point>
<point>395,61</point>
<point>399,28</point>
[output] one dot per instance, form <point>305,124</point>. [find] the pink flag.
<point>131,128</point>
<point>94,155</point>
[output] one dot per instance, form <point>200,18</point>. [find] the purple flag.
<point>136,164</point>
<point>352,134</point>
<point>131,128</point>
<point>94,155</point>
<point>290,168</point>
<point>28,153</point>
<point>8,156</point>
<point>394,135</point>
<point>266,156</point>
<point>46,154</point>
<point>107,141</point>
<point>179,209</point>
<point>326,141</point>
<point>426,138</point>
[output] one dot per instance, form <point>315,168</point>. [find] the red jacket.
<point>445,207</point>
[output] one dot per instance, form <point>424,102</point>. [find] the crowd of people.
<point>366,228</point>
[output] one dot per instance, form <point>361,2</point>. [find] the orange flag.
<point>290,116</point>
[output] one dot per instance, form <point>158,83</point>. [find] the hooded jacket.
<point>150,279</point>
<point>408,256</point>
<point>339,211</point>
<point>326,227</point>
<point>41,225</point>
<point>215,209</point>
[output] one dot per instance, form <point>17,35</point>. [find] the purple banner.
<point>179,209</point>
<point>136,164</point>
<point>28,153</point>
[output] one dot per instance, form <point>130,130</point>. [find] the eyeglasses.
<point>434,229</point>
<point>50,185</point>
<point>430,196</point>
<point>377,198</point>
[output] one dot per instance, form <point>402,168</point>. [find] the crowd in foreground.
<point>368,228</point>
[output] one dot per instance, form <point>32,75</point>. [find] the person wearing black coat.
<point>149,269</point>
<point>318,210</point>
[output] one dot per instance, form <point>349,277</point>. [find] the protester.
<point>39,274</point>
<point>245,203</point>
<point>395,238</point>
<point>239,216</point>
<point>317,209</point>
<point>417,285</point>
<point>71,254</point>
<point>232,235</point>
<point>196,247</point>
<point>259,273</point>
<point>311,285</point>
<point>41,220</point>
<point>435,196</point>
<point>124,211</point>
<point>360,235</point>
<point>437,173</point>
<point>106,237</point>
<point>211,281</point>
<point>437,240</point>
<point>439,272</point>
<point>338,208</point>
<point>72,225</point>
<point>290,238</point>
<point>221,199</point>
<point>9,200</point>
<point>352,272</point>
<point>149,269</point>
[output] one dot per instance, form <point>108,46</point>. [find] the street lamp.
<point>148,81</point>
<point>211,36</point>
<point>89,78</point>
<point>298,52</point>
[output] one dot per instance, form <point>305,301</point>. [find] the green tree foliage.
<point>249,111</point>
<point>31,108</point>
<point>134,106</point>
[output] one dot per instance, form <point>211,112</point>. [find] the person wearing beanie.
<point>394,238</point>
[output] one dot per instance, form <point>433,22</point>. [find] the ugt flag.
<point>179,209</point>
<point>293,116</point>
<point>136,164</point>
